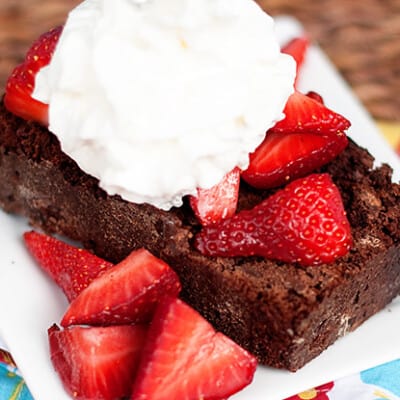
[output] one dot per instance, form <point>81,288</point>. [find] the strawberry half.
<point>20,85</point>
<point>309,137</point>
<point>297,48</point>
<point>219,202</point>
<point>303,114</point>
<point>304,222</point>
<point>184,358</point>
<point>97,362</point>
<point>126,293</point>
<point>71,268</point>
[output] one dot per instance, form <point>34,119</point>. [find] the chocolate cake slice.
<point>283,313</point>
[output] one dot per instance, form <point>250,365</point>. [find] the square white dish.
<point>30,302</point>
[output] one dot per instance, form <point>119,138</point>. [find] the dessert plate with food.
<point>237,167</point>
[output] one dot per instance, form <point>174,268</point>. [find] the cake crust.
<point>285,314</point>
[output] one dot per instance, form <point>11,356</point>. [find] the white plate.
<point>30,302</point>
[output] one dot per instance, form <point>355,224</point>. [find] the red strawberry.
<point>306,115</point>
<point>127,293</point>
<point>219,202</point>
<point>97,362</point>
<point>18,97</point>
<point>310,136</point>
<point>184,358</point>
<point>282,158</point>
<point>70,267</point>
<point>304,222</point>
<point>297,48</point>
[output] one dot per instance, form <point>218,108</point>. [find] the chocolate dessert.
<point>285,314</point>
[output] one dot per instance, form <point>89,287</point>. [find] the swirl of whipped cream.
<point>156,98</point>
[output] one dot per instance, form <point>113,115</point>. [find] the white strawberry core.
<point>157,98</point>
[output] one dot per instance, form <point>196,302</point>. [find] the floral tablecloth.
<point>12,385</point>
<point>379,383</point>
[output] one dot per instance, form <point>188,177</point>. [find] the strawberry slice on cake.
<point>218,202</point>
<point>307,138</point>
<point>19,88</point>
<point>304,223</point>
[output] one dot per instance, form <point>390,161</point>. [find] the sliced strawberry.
<point>282,158</point>
<point>304,114</point>
<point>305,222</point>
<point>309,137</point>
<point>126,293</point>
<point>297,48</point>
<point>219,202</point>
<point>19,88</point>
<point>97,362</point>
<point>70,267</point>
<point>18,98</point>
<point>184,358</point>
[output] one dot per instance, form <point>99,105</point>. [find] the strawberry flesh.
<point>97,362</point>
<point>126,293</point>
<point>185,358</point>
<point>309,137</point>
<point>20,85</point>
<point>218,202</point>
<point>282,158</point>
<point>71,268</point>
<point>18,97</point>
<point>304,114</point>
<point>303,223</point>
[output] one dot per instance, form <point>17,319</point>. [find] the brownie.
<point>285,314</point>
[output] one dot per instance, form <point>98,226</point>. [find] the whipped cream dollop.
<point>156,98</point>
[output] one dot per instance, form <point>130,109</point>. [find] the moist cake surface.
<point>284,314</point>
